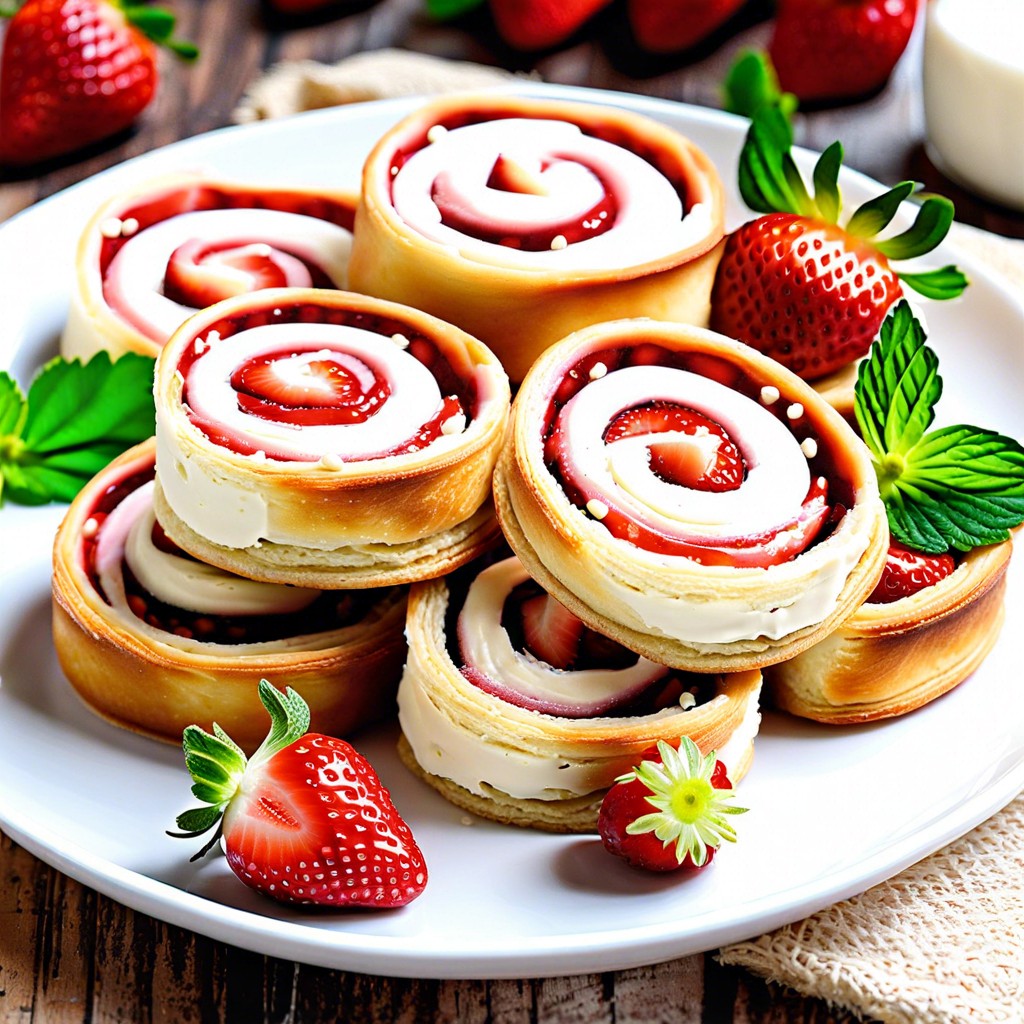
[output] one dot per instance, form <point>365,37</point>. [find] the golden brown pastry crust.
<point>92,325</point>
<point>888,659</point>
<point>363,523</point>
<point>157,688</point>
<point>596,750</point>
<point>519,313</point>
<point>593,574</point>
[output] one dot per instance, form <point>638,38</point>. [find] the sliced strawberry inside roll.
<point>522,646</point>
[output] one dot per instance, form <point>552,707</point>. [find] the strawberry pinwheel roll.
<point>522,220</point>
<point>891,657</point>
<point>327,439</point>
<point>513,709</point>
<point>688,496</point>
<point>149,259</point>
<point>154,640</point>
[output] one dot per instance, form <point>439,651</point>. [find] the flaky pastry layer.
<point>520,312</point>
<point>888,659</point>
<point>523,767</point>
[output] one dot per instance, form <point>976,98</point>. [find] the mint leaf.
<point>76,418</point>
<point>12,408</point>
<point>959,486</point>
<point>897,387</point>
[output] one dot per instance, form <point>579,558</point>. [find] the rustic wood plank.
<point>21,878</point>
<point>669,993</point>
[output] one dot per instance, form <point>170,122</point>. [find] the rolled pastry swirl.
<point>689,497</point>
<point>889,659</point>
<point>327,439</point>
<point>154,640</point>
<point>522,220</point>
<point>149,259</point>
<point>502,733</point>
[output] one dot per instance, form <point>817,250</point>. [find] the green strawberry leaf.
<point>444,10</point>
<point>157,24</point>
<point>826,183</point>
<point>959,486</point>
<point>289,719</point>
<point>767,171</point>
<point>751,84</point>
<point>929,228</point>
<point>945,283</point>
<point>875,214</point>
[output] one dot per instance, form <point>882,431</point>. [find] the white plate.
<point>832,810</point>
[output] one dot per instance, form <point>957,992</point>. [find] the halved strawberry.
<point>551,631</point>
<point>305,819</point>
<point>908,572</point>
<point>508,175</point>
<point>285,388</point>
<point>669,812</point>
<point>797,286</point>
<point>678,462</point>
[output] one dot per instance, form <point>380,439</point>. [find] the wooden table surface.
<point>70,954</point>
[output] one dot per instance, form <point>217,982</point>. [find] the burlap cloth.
<point>943,941</point>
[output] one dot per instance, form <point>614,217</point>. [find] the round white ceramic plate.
<point>832,811</point>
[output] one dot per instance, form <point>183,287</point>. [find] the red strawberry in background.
<point>74,72</point>
<point>539,24</point>
<point>665,26</point>
<point>305,819</point>
<point>670,812</point>
<point>799,287</point>
<point>839,49</point>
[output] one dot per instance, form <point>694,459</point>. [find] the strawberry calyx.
<point>770,182</point>
<point>156,24</point>
<point>217,764</point>
<point>689,811</point>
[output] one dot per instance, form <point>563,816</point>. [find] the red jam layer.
<point>649,150</point>
<point>331,610</point>
<point>191,198</point>
<point>823,506</point>
<point>260,394</point>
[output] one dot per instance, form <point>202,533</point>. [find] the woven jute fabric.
<point>294,86</point>
<point>943,941</point>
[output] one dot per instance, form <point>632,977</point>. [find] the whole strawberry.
<point>839,49</point>
<point>665,27</point>
<point>670,812</point>
<point>799,287</point>
<point>74,72</point>
<point>540,24</point>
<point>305,819</point>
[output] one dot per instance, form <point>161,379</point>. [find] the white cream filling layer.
<point>134,281</point>
<point>485,645</point>
<point>621,475</point>
<point>472,761</point>
<point>126,536</point>
<point>570,170</point>
<point>414,398</point>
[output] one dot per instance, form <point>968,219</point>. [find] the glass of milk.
<point>974,95</point>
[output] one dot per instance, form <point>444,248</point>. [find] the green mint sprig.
<point>446,10</point>
<point>76,418</point>
<point>770,182</point>
<point>956,487</point>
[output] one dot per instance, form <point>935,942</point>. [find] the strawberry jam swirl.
<point>677,463</point>
<point>541,194</point>
<point>520,645</point>
<point>147,579</point>
<point>162,273</point>
<point>310,391</point>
